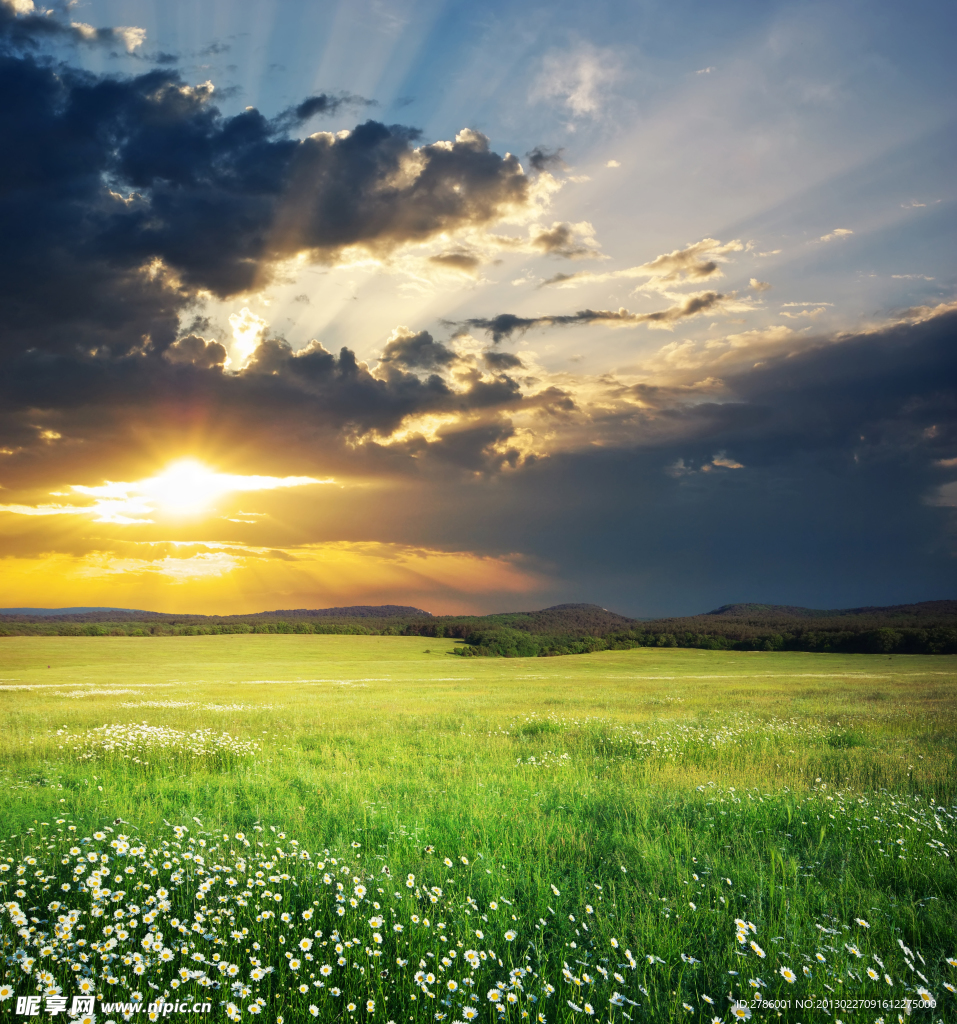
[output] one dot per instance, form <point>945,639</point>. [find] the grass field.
<point>310,823</point>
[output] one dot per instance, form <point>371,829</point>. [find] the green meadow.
<point>367,828</point>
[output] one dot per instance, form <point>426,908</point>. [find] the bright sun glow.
<point>248,332</point>
<point>184,488</point>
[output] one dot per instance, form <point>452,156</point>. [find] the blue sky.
<point>729,205</point>
<point>773,123</point>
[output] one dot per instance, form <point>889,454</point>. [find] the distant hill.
<point>355,611</point>
<point>922,610</point>
<point>561,619</point>
<point>743,621</point>
<point>361,611</point>
<point>47,612</point>
<point>928,627</point>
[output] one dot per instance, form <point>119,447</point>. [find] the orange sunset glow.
<point>573,310</point>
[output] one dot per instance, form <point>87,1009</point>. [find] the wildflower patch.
<point>255,924</point>
<point>138,743</point>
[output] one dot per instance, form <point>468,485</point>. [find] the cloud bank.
<point>726,466</point>
<point>131,198</point>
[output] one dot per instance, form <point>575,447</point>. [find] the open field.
<point>728,819</point>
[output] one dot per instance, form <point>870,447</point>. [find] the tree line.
<point>513,643</point>
<point>926,628</point>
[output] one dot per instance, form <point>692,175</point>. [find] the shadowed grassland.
<point>710,812</point>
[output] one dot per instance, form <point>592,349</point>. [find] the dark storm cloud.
<point>560,240</point>
<point>321,105</point>
<point>499,361</point>
<point>506,324</point>
<point>840,449</point>
<point>122,199</point>
<point>542,159</point>
<point>417,351</point>
<point>885,395</point>
<point>307,408</point>
<point>196,351</point>
<point>457,261</point>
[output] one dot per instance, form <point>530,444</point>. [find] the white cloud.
<point>809,313</point>
<point>578,78</point>
<point>129,35</point>
<point>726,463</point>
<point>132,37</point>
<point>87,32</point>
<point>836,233</point>
<point>704,71</point>
<point>696,262</point>
<point>759,286</point>
<point>920,314</point>
<point>718,356</point>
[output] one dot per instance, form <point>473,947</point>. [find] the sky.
<point>477,307</point>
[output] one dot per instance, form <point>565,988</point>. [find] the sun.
<point>186,488</point>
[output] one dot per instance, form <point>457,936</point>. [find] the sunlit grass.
<point>822,786</point>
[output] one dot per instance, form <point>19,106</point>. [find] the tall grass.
<point>805,793</point>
